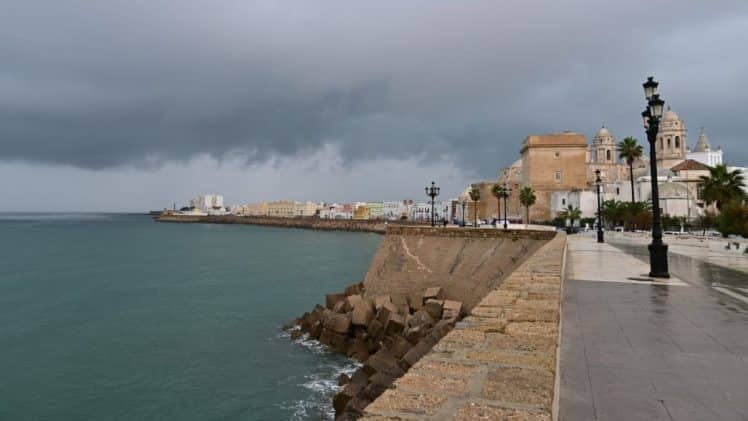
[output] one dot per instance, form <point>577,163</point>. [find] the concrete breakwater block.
<point>385,336</point>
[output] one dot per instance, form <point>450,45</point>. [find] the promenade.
<point>639,349</point>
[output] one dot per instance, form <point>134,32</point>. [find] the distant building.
<point>421,212</point>
<point>703,152</point>
<point>255,209</point>
<point>282,208</point>
<point>395,210</point>
<point>362,211</point>
<point>376,210</point>
<point>305,209</point>
<point>211,204</point>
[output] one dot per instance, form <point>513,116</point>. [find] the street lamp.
<point>658,265</point>
<point>599,185</point>
<point>464,203</point>
<point>504,192</point>
<point>432,192</point>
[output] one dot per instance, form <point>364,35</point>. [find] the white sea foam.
<point>322,383</point>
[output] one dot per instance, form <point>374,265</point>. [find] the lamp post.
<point>464,203</point>
<point>599,185</point>
<point>658,265</point>
<point>446,214</point>
<point>504,193</point>
<point>432,192</point>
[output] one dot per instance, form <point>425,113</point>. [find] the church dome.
<point>670,115</point>
<point>603,136</point>
<point>703,143</point>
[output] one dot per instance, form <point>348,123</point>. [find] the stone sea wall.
<point>499,362</point>
<point>305,223</point>
<point>422,282</point>
<point>466,263</point>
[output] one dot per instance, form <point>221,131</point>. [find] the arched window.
<point>607,154</point>
<point>668,143</point>
<point>677,141</point>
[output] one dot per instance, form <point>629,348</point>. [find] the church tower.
<point>671,141</point>
<point>604,148</point>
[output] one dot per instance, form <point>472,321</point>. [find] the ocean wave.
<point>322,383</point>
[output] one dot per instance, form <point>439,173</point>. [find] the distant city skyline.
<point>108,108</point>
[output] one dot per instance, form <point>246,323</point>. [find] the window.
<point>607,154</point>
<point>677,141</point>
<point>668,143</point>
<point>563,202</point>
<point>558,176</point>
<point>557,154</point>
<point>618,191</point>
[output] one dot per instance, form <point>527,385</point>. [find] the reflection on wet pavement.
<point>650,351</point>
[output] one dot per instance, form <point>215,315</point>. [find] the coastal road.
<point>635,348</point>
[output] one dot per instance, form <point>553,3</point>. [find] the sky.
<point>134,105</point>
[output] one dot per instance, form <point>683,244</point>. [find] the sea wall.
<point>500,362</point>
<point>466,263</point>
<point>421,283</point>
<point>305,223</point>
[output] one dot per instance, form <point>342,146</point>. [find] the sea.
<point>118,317</point>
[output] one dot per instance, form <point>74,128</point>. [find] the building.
<point>210,204</point>
<point>553,162</point>
<point>671,141</point>
<point>282,208</point>
<point>376,210</point>
<point>421,212</point>
<point>305,209</point>
<point>395,210</point>
<point>703,152</point>
<point>250,209</point>
<point>362,211</point>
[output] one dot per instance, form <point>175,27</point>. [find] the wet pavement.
<point>640,349</point>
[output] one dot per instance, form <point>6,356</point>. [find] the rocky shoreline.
<point>385,337</point>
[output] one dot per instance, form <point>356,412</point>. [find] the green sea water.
<point>117,317</point>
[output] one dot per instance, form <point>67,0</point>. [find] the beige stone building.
<point>671,141</point>
<point>282,208</point>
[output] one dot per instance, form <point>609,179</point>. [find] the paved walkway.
<point>634,349</point>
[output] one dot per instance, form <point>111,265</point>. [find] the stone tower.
<point>671,141</point>
<point>604,148</point>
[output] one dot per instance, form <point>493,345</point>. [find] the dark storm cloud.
<point>103,84</point>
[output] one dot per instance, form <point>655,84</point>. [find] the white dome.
<point>603,136</point>
<point>670,115</point>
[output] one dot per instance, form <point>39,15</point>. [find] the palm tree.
<point>722,186</point>
<point>498,192</point>
<point>629,150</point>
<point>571,213</point>
<point>613,211</point>
<point>475,197</point>
<point>527,198</point>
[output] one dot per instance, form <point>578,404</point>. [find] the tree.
<point>475,197</point>
<point>722,186</point>
<point>571,213</point>
<point>498,192</point>
<point>613,211</point>
<point>629,150</point>
<point>733,220</point>
<point>527,198</point>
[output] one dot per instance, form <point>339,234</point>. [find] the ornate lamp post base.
<point>600,238</point>
<point>658,261</point>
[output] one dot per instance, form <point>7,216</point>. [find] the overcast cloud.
<point>143,91</point>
